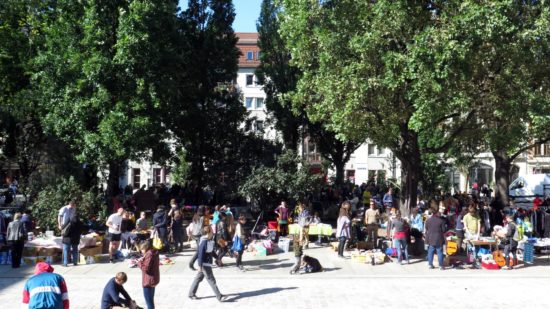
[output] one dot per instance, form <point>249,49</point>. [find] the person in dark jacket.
<point>510,244</point>
<point>206,247</point>
<point>71,239</point>
<point>435,228</point>
<point>113,289</point>
<point>222,238</point>
<point>16,236</point>
<point>160,223</point>
<point>149,265</point>
<point>176,227</point>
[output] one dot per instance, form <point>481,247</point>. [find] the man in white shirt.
<point>65,214</point>
<point>113,222</point>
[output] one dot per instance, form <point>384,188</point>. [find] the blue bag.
<point>237,244</point>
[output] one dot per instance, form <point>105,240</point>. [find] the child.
<point>298,252</point>
<point>311,264</point>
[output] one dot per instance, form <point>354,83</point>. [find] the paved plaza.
<point>344,284</point>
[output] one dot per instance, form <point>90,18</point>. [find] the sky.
<point>247,13</point>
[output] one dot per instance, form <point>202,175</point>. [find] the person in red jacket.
<point>45,289</point>
<point>149,265</point>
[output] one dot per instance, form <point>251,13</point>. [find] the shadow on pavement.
<point>250,294</point>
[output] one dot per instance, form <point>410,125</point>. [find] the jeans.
<point>16,253</point>
<point>196,255</point>
<point>240,258</point>
<point>401,244</point>
<point>341,245</point>
<point>431,250</point>
<point>149,295</point>
<point>66,249</point>
<point>206,272</point>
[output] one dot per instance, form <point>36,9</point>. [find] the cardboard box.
<point>365,245</point>
<point>49,251</point>
<point>30,251</point>
<point>94,259</point>
<point>90,251</point>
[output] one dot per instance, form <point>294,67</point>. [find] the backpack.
<point>517,234</point>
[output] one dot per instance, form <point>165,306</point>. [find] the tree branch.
<point>453,135</point>
<point>527,147</point>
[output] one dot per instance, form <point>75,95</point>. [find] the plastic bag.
<point>157,242</point>
<point>237,244</point>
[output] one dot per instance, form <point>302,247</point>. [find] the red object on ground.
<point>272,225</point>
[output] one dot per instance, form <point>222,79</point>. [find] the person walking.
<point>206,247</point>
<point>372,215</point>
<point>16,236</point>
<point>222,238</point>
<point>435,229</point>
<point>198,223</point>
<point>45,289</point>
<point>150,273</point>
<point>343,227</point>
<point>114,223</point>
<point>240,233</point>
<point>111,293</point>
<point>71,239</point>
<point>399,237</point>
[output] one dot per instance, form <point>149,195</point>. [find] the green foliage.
<point>290,179</point>
<point>55,196</point>
<point>180,173</point>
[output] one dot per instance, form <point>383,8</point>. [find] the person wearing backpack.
<point>511,242</point>
<point>198,223</point>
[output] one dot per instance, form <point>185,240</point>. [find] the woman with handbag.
<point>150,273</point>
<point>221,238</point>
<point>239,241</point>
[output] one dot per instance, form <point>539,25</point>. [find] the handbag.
<point>237,244</point>
<point>222,243</point>
<point>66,229</point>
<point>157,242</point>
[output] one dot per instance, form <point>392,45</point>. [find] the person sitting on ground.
<point>311,264</point>
<point>141,223</point>
<point>111,293</point>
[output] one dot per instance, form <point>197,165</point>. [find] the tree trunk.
<point>503,165</point>
<point>411,168</point>
<point>339,166</point>
<point>113,180</point>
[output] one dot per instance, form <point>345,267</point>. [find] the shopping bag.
<point>237,244</point>
<point>157,242</point>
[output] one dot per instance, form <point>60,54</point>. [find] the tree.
<point>278,77</point>
<point>290,179</point>
<point>363,76</point>
<point>497,59</point>
<point>103,73</point>
<point>206,118</point>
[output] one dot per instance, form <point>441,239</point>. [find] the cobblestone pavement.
<point>344,284</point>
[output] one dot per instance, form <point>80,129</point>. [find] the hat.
<point>43,267</point>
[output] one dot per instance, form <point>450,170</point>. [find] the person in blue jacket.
<point>113,289</point>
<point>204,259</point>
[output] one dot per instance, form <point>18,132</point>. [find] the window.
<point>547,150</point>
<point>538,151</point>
<point>249,103</point>
<point>380,151</point>
<point>259,126</point>
<point>372,149</point>
<point>258,54</point>
<point>259,103</point>
<point>249,79</point>
<point>157,175</point>
<point>136,179</point>
<point>250,55</point>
